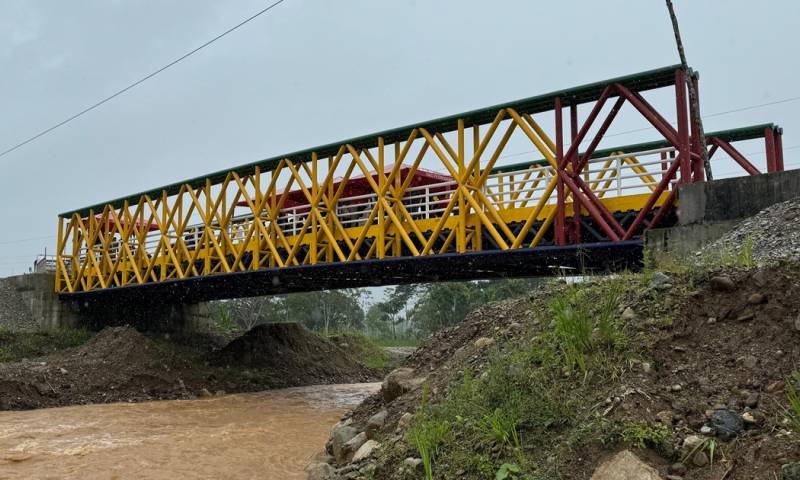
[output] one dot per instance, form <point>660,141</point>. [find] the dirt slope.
<point>694,346</point>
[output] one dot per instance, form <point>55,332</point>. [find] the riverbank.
<point>120,364</point>
<point>687,372</point>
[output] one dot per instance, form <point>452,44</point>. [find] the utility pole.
<point>692,92</point>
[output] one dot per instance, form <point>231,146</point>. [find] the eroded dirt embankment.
<point>121,364</point>
<point>694,383</point>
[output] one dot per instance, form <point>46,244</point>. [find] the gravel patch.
<point>14,312</point>
<point>773,233</point>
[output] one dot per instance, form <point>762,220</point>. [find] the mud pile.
<point>121,364</point>
<point>291,352</point>
<point>118,364</point>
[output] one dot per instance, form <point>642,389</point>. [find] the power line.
<point>23,240</point>
<point>141,80</point>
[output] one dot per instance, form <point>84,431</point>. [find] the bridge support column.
<point>172,318</point>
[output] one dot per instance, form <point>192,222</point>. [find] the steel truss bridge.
<point>371,210</point>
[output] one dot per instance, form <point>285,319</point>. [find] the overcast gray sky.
<point>311,71</point>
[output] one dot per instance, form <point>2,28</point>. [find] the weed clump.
<point>793,396</point>
<point>18,345</point>
<point>646,435</point>
<point>582,327</point>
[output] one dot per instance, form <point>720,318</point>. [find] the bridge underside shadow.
<point>526,262</point>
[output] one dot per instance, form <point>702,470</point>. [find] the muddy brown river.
<point>269,435</point>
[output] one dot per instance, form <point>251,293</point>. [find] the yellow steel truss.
<point>198,230</point>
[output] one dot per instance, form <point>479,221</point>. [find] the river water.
<point>268,435</point>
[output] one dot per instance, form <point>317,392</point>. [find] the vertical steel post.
<point>576,203</point>
<point>313,210</point>
<point>683,127</point>
<point>381,237</point>
<point>778,149</point>
<point>769,140</point>
<point>698,174</point>
<point>560,233</point>
<point>255,251</point>
<point>59,251</point>
<point>461,235</point>
<point>477,240</point>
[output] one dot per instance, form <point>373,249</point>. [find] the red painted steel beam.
<point>561,198</point>
<point>651,200</point>
<point>735,155</point>
<point>769,140</point>
<point>712,150</point>
<point>594,211</point>
<point>663,209</point>
<point>651,115</point>
<point>779,150</point>
<point>601,207</point>
<point>577,206</point>
<point>573,149</point>
<point>600,132</point>
<point>684,155</point>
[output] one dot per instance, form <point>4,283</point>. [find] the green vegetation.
<point>404,315</point>
<point>793,395</point>
<point>506,471</point>
<point>646,435</point>
<point>399,341</point>
<point>427,434</point>
<point>733,257</point>
<point>536,400</point>
<point>18,345</point>
<point>709,445</point>
<point>582,328</point>
<point>365,350</point>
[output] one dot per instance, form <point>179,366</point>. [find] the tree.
<point>326,310</point>
<point>246,313</point>
<point>384,318</point>
<point>442,305</point>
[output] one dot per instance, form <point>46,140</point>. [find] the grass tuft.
<point>18,345</point>
<point>793,396</point>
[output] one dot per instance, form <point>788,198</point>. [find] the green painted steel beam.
<point>648,80</point>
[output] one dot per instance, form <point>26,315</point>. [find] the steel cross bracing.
<point>370,199</point>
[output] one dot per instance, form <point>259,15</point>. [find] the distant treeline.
<point>403,311</point>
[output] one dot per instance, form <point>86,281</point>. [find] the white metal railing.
<point>505,190</point>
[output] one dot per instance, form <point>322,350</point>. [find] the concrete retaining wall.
<point>35,292</point>
<point>685,239</point>
<point>735,198</point>
<point>29,302</point>
<point>708,210</point>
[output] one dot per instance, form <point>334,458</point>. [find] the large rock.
<point>319,471</point>
<point>351,447</point>
<point>398,382</point>
<point>364,451</point>
<point>625,466</point>
<point>375,423</point>
<point>727,424</point>
<point>722,283</point>
<point>341,435</point>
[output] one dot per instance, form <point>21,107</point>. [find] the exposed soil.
<point>698,347</point>
<point>289,351</point>
<point>121,364</point>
